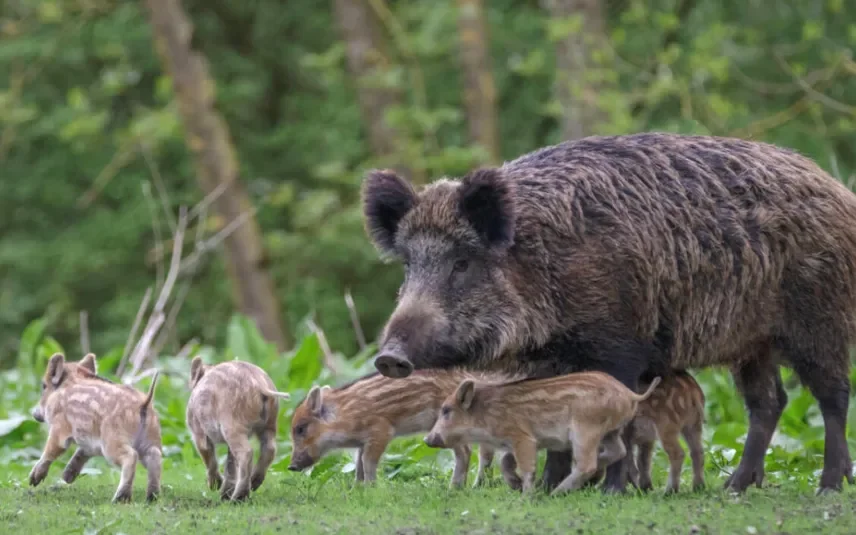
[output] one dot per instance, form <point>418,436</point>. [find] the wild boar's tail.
<point>650,390</point>
<point>144,408</point>
<point>275,394</point>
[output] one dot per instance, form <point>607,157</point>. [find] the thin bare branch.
<point>202,207</point>
<point>84,332</point>
<point>186,349</point>
<point>157,319</point>
<point>159,185</point>
<point>136,327</point>
<point>169,325</point>
<point>355,320</point>
<point>329,358</point>
<point>214,241</point>
<point>159,244</point>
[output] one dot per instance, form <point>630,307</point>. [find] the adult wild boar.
<point>632,255</point>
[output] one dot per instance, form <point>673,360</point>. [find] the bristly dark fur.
<point>486,201</point>
<point>633,253</point>
<point>386,199</point>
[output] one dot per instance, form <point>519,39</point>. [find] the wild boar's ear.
<point>314,401</point>
<point>465,394</point>
<point>56,368</point>
<point>88,362</point>
<point>487,202</point>
<point>197,368</point>
<point>387,198</point>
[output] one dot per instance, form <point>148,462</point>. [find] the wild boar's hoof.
<point>122,497</point>
<point>740,480</point>
<point>393,366</point>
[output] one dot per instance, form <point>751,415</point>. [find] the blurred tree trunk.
<point>368,58</point>
<point>216,163</point>
<point>479,88</point>
<point>577,79</point>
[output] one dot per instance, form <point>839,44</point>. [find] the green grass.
<point>412,494</point>
<point>295,503</point>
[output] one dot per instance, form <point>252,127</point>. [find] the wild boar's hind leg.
<point>643,464</point>
<point>267,451</point>
<point>230,474</point>
<point>208,453</point>
<point>241,449</point>
<point>760,383</point>
<point>828,381</point>
<point>75,465</point>
<point>124,456</point>
<point>153,461</point>
<point>692,434</point>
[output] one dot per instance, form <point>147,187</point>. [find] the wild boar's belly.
<point>91,445</point>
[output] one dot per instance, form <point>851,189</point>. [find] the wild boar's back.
<point>702,244</point>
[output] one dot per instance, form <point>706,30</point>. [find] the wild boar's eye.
<point>446,411</point>
<point>460,266</point>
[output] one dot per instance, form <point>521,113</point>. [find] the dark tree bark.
<point>576,77</point>
<point>216,164</point>
<point>479,87</point>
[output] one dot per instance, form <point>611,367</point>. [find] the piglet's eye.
<point>44,386</point>
<point>446,411</point>
<point>300,430</point>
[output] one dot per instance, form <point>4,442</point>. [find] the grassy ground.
<point>294,503</point>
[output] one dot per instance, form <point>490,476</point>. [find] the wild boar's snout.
<point>38,416</point>
<point>409,336</point>
<point>434,440</point>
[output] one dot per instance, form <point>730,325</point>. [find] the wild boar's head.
<point>456,303</point>
<point>60,373</point>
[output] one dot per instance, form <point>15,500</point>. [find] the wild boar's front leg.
<point>372,451</point>
<point>54,447</point>
<point>486,454</point>
<point>75,465</point>
<point>462,465</point>
<point>526,454</point>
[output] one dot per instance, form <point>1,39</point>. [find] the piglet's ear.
<point>465,394</point>
<point>88,363</point>
<point>197,370</point>
<point>315,401</point>
<point>56,369</point>
<point>387,198</point>
<point>486,200</point>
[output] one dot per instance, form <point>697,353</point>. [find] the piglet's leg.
<point>54,447</point>
<point>486,454</point>
<point>508,468</point>
<point>585,462</point>
<point>462,465</point>
<point>267,451</point>
<point>208,453</point>
<point>373,450</point>
<point>240,447</point>
<point>75,465</point>
<point>124,456</point>
<point>230,473</point>
<point>526,454</point>
<point>360,471</point>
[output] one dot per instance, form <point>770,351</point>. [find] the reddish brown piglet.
<point>583,412</point>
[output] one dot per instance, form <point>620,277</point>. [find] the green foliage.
<point>81,91</point>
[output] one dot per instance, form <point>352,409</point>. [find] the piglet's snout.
<point>434,440</point>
